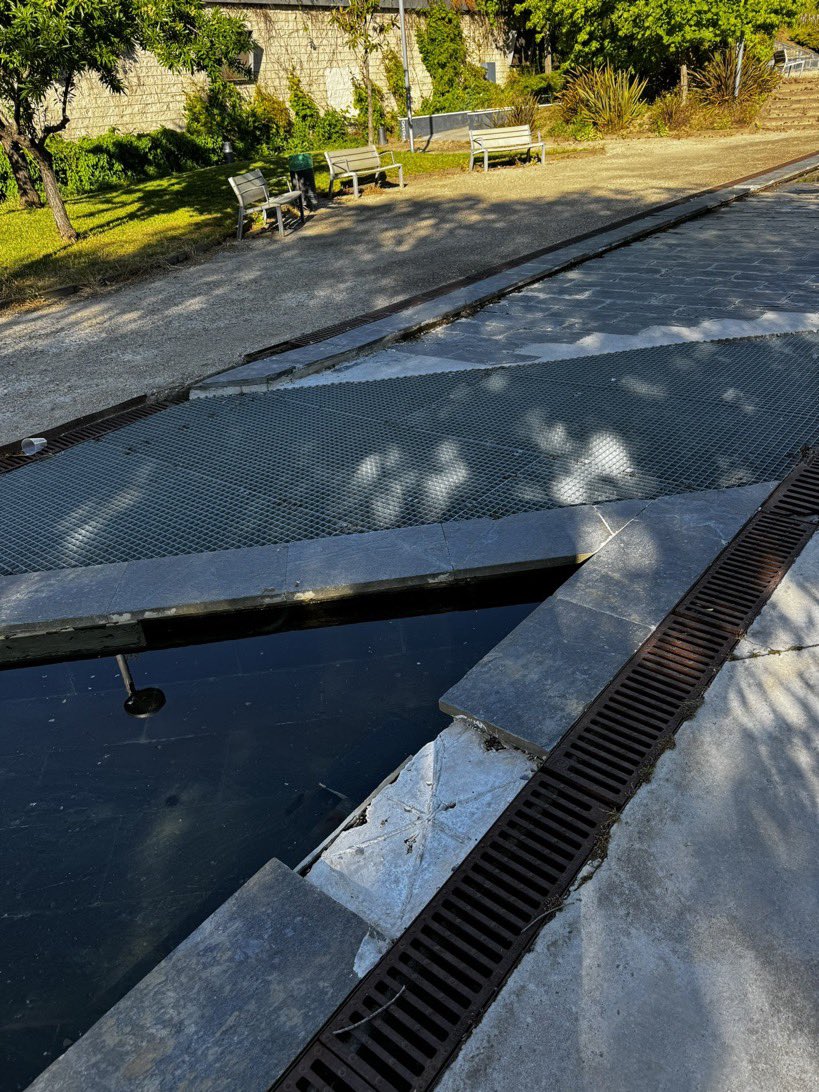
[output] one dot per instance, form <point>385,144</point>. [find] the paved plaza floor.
<point>89,353</point>
<point>547,426</point>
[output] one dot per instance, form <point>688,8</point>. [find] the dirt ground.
<point>91,352</point>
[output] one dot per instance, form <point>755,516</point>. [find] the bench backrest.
<point>250,188</point>
<point>504,137</point>
<point>353,159</point>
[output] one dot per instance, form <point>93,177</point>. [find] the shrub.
<point>305,108</point>
<point>806,32</point>
<point>457,84</point>
<point>669,113</point>
<point>8,187</point>
<point>114,159</point>
<point>716,81</point>
<point>607,98</point>
<point>523,110</point>
<point>572,130</point>
<point>220,113</point>
<point>394,74</point>
<point>270,120</point>
<point>311,127</point>
<point>380,115</point>
<point>543,85</point>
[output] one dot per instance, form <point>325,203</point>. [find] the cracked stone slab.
<point>229,1008</point>
<point>420,827</point>
<point>652,562</point>
<point>559,535</point>
<point>791,617</point>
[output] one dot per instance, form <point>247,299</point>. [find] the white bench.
<point>509,138</point>
<point>253,195</point>
<point>355,162</point>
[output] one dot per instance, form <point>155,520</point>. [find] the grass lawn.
<point>128,231</point>
<point>132,230</point>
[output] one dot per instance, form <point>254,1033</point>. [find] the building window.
<point>252,61</point>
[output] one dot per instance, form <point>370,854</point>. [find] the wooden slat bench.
<point>352,163</point>
<point>509,138</point>
<point>253,193</point>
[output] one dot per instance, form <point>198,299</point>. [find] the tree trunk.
<point>684,82</point>
<point>53,195</point>
<point>368,83</point>
<point>29,198</point>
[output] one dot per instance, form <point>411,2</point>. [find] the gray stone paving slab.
<point>688,959</point>
<point>231,1006</point>
<point>564,536</point>
<point>325,568</point>
<point>791,618</point>
<point>59,595</point>
<point>653,561</point>
<point>188,581</point>
<point>533,685</point>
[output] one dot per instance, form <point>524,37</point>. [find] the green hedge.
<point>115,159</point>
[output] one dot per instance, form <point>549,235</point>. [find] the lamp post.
<point>407,91</point>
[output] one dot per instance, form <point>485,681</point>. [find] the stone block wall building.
<point>295,36</point>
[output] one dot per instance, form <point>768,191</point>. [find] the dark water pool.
<point>119,836</point>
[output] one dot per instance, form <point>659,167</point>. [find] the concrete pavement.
<point>687,958</point>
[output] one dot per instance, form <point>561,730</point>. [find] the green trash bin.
<point>303,177</point>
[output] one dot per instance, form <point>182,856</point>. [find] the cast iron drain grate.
<point>401,1025</point>
<point>91,427</point>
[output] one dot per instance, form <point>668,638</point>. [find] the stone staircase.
<point>793,105</point>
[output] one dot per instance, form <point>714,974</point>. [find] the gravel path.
<point>89,353</point>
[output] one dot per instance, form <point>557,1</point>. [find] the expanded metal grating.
<point>402,1024</point>
<point>312,462</point>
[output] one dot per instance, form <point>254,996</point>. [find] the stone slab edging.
<point>220,1011</point>
<point>264,373</point>
<point>230,1006</point>
<point>36,606</point>
<point>534,685</point>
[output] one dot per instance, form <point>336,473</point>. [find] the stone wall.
<point>292,38</point>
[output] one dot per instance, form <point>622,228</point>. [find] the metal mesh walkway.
<point>328,460</point>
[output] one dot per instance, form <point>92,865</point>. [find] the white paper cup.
<point>32,444</point>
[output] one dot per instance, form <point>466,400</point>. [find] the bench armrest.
<point>389,153</point>
<point>476,141</point>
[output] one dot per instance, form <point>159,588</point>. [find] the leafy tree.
<point>653,36</point>
<point>46,45</point>
<point>364,31</point>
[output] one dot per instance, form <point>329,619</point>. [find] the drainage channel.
<point>403,1023</point>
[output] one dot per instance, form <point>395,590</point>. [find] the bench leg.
<point>241,225</point>
<point>485,162</point>
<point>401,175</point>
<point>330,189</point>
<point>279,220</point>
<point>543,156</point>
<point>301,208</point>
<point>355,185</point>
<point>471,160</point>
